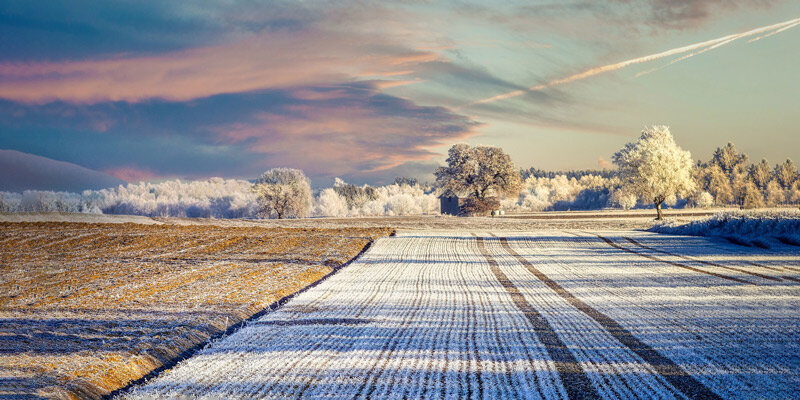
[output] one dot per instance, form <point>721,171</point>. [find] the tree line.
<point>653,169</point>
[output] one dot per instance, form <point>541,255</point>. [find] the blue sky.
<point>367,91</point>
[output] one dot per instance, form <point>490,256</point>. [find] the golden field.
<point>87,308</point>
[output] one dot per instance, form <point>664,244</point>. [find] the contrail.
<point>695,49</point>
<point>772,33</point>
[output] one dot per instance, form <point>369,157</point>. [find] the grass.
<point>87,308</point>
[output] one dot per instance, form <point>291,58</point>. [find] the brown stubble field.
<point>87,308</point>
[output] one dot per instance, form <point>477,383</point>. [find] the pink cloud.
<point>132,174</point>
<point>348,136</point>
<point>267,61</point>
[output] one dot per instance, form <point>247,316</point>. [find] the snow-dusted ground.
<point>601,219</point>
<point>546,314</point>
<point>758,227</point>
<point>76,217</point>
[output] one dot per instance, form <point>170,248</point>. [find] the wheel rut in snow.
<point>673,263</point>
<point>671,372</point>
<point>573,377</point>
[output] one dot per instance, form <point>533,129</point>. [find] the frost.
<point>745,226</point>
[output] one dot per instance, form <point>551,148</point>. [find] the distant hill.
<point>23,171</point>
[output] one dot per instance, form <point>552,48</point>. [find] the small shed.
<point>450,204</point>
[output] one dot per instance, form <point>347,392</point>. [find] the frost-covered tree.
<point>331,204</point>
<point>283,193</point>
<point>702,199</point>
<point>793,194</point>
<point>719,185</point>
<point>654,167</point>
<point>483,172</point>
<point>624,199</point>
<point>729,160</point>
<point>775,194</point>
<point>786,174</point>
<point>356,196</point>
<point>747,194</point>
<point>760,174</point>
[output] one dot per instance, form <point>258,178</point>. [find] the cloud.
<point>132,173</point>
<point>692,14</point>
<point>77,29</point>
<point>354,133</point>
<point>335,130</point>
<point>691,49</point>
<point>270,61</point>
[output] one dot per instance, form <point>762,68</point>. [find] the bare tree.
<point>654,167</point>
<point>283,193</point>
<point>482,172</point>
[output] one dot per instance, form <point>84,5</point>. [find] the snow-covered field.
<point>599,219</point>
<point>502,315</point>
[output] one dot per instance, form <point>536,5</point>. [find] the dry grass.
<point>87,308</point>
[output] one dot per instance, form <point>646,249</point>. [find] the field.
<point>540,305</point>
<point>87,308</point>
<point>548,314</point>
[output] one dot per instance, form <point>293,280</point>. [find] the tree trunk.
<point>658,210</point>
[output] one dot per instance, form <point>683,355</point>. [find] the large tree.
<point>283,193</point>
<point>481,172</point>
<point>654,167</point>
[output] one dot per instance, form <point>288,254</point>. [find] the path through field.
<point>495,315</point>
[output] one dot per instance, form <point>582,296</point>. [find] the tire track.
<point>673,263</point>
<point>573,377</point>
<point>704,262</point>
<point>671,372</point>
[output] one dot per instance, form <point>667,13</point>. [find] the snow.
<point>430,314</point>
<point>746,227</point>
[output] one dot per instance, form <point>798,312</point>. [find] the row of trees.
<point>653,169</point>
<point>731,179</point>
<point>286,193</point>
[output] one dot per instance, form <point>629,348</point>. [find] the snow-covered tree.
<point>654,167</point>
<point>729,160</point>
<point>786,174</point>
<point>747,194</point>
<point>793,194</point>
<point>624,199</point>
<point>775,194</point>
<point>483,172</point>
<point>719,185</point>
<point>702,199</point>
<point>331,204</point>
<point>283,193</point>
<point>760,174</point>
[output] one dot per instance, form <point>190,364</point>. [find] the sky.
<point>366,91</point>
